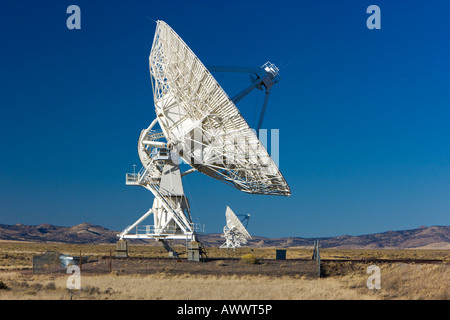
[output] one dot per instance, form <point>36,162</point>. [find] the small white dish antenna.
<point>234,232</point>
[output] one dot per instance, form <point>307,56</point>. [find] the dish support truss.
<point>161,175</point>
<point>233,238</point>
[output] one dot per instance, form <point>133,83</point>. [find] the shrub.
<point>3,286</point>
<point>249,259</point>
<point>36,286</point>
<point>50,286</point>
<point>90,290</point>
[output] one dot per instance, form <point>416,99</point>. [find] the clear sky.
<point>364,115</point>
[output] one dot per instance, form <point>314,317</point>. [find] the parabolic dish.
<point>200,121</point>
<point>234,224</point>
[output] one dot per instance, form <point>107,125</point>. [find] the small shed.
<point>280,254</point>
<point>45,261</point>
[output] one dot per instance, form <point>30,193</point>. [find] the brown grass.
<point>398,281</point>
<point>346,281</point>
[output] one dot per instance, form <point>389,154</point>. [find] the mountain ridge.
<point>437,237</point>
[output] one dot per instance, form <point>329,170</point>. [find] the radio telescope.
<point>234,232</point>
<point>200,125</point>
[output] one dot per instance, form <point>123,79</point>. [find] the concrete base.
<point>122,249</point>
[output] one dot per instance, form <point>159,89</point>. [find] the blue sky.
<point>363,114</point>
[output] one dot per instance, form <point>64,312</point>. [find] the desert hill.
<point>83,233</point>
<point>437,237</point>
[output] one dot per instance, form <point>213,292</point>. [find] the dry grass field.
<point>344,279</point>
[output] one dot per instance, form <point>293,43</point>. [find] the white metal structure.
<point>200,124</point>
<point>234,232</point>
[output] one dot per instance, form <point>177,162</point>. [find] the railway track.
<point>325,260</point>
<point>376,260</point>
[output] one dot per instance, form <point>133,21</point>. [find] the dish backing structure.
<point>200,124</point>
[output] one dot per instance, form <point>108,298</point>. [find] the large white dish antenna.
<point>200,121</point>
<point>200,124</point>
